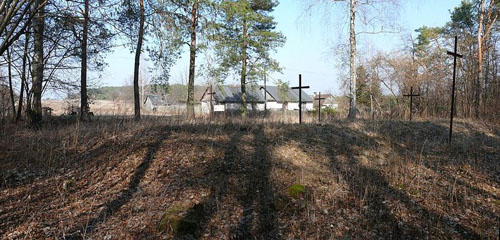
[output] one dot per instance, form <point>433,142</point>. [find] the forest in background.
<point>47,45</point>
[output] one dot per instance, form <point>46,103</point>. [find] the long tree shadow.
<point>472,150</point>
<point>253,189</point>
<point>40,196</point>
<point>193,224</point>
<point>259,196</point>
<point>344,146</point>
<point>360,178</point>
<point>78,158</point>
<point>112,206</point>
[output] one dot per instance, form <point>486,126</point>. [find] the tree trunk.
<point>137,64</point>
<point>35,113</point>
<point>11,91</point>
<point>84,105</point>
<point>243,74</point>
<point>192,60</point>
<point>23,76</point>
<point>486,78</point>
<point>477,98</point>
<point>352,63</point>
<point>372,113</point>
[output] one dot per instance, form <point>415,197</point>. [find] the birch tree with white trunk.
<point>372,15</point>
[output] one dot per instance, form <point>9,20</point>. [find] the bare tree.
<point>486,21</point>
<point>35,116</point>
<point>84,105</point>
<point>23,75</point>
<point>16,16</point>
<point>371,13</point>
<point>138,50</point>
<point>9,72</point>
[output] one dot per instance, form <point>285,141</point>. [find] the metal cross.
<point>411,95</point>
<point>211,93</point>
<point>455,55</point>
<point>319,98</point>
<point>300,87</point>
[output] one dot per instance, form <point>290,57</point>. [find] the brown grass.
<point>115,178</point>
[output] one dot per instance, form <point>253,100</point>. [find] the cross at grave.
<point>300,87</point>
<point>411,95</point>
<point>211,93</point>
<point>319,98</point>
<point>455,55</point>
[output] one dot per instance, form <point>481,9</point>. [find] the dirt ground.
<point>158,179</point>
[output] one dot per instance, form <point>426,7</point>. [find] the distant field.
<point>107,108</point>
<point>115,178</point>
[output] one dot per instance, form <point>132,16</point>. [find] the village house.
<point>228,98</point>
<point>279,98</point>
<point>328,101</point>
<point>155,102</point>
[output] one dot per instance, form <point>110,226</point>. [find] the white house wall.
<point>219,108</point>
<point>233,106</point>
<point>274,105</point>
<point>149,105</point>
<point>205,107</point>
<point>309,106</point>
<point>293,106</point>
<point>305,106</point>
<point>259,107</point>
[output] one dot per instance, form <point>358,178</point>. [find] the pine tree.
<point>189,20</point>
<point>245,37</point>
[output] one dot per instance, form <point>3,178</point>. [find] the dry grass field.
<point>115,178</point>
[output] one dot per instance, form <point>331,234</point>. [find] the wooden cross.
<point>411,95</point>
<point>211,93</point>
<point>455,55</point>
<point>319,98</point>
<point>300,87</point>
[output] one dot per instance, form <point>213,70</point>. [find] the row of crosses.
<point>411,95</point>
<point>319,98</point>
<point>455,55</point>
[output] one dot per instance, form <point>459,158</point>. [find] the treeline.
<point>176,92</point>
<point>424,64</point>
<point>53,44</point>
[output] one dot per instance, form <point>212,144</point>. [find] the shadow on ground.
<point>235,165</point>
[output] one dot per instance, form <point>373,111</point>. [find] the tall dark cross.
<point>319,98</point>
<point>211,93</point>
<point>300,87</point>
<point>455,55</point>
<point>411,95</point>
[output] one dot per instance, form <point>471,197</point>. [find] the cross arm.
<point>455,54</point>
<point>300,87</point>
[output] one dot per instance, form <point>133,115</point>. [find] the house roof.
<point>156,100</point>
<point>232,94</point>
<point>292,95</point>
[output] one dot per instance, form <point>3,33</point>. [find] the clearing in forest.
<point>118,179</point>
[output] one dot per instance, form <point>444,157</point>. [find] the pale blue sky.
<point>309,45</point>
